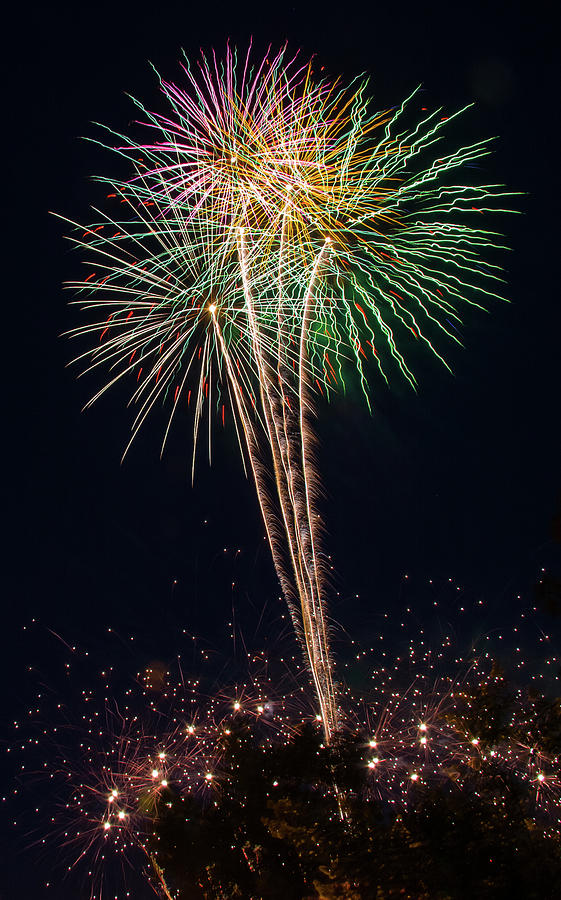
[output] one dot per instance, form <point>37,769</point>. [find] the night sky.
<point>461,479</point>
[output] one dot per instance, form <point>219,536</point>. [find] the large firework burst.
<point>275,233</point>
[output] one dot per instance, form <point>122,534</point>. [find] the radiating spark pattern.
<point>417,714</point>
<point>277,234</point>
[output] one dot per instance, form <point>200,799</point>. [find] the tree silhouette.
<point>300,820</point>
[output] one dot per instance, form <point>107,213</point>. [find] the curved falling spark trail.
<point>288,439</point>
<point>292,525</point>
<point>275,236</point>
